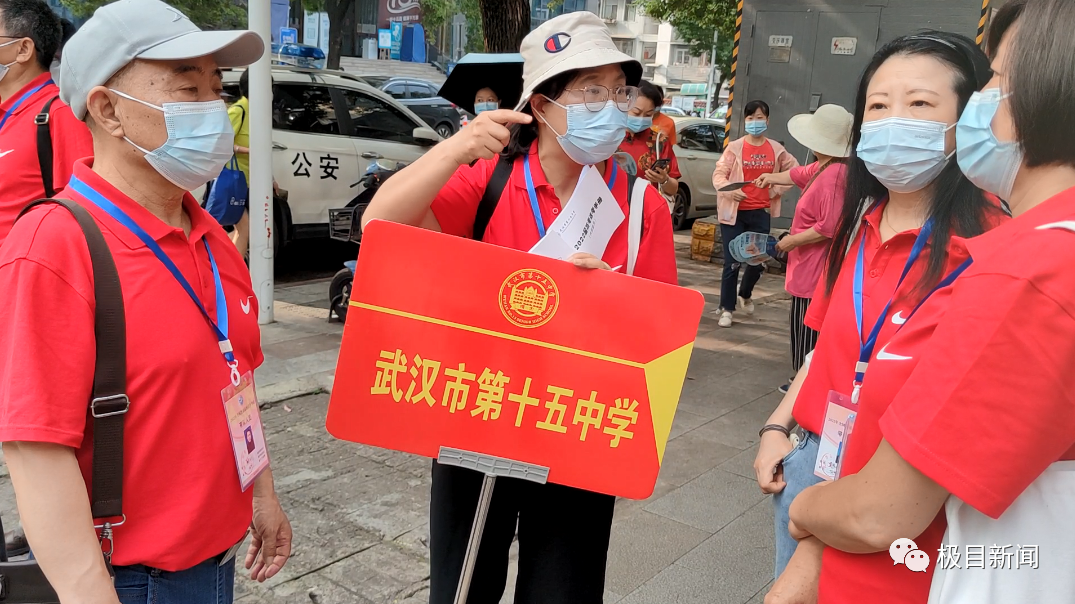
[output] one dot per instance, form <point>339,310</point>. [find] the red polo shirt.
<point>854,578</point>
<point>989,406</point>
<point>837,350</point>
<point>20,169</point>
<point>512,224</point>
<point>181,491</point>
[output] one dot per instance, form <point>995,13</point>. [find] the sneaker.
<point>784,389</point>
<point>725,319</point>
<point>747,304</point>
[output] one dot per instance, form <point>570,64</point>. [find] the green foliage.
<point>437,13</point>
<point>696,20</point>
<point>208,14</point>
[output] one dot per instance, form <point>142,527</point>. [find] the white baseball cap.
<point>123,31</point>
<point>826,131</point>
<point>577,40</point>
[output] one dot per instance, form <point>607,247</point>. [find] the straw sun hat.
<point>826,131</point>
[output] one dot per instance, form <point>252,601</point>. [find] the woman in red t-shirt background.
<point>646,145</point>
<point>749,209</point>
<point>827,133</point>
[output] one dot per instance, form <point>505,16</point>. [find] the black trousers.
<point>803,339</point>
<point>754,221</point>
<point>563,539</point>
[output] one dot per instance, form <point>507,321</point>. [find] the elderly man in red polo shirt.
<point>39,137</point>
<point>195,473</point>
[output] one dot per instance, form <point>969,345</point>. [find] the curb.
<point>279,392</point>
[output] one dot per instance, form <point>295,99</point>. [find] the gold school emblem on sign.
<point>529,298</point>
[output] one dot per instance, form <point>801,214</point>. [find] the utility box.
<point>797,55</point>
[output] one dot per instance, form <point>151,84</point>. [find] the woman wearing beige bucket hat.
<point>501,180</point>
<point>827,133</point>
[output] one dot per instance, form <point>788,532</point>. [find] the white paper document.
<point>586,223</point>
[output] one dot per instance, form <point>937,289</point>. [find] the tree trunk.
<point>505,23</point>
<point>339,19</point>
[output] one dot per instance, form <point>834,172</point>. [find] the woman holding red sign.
<point>906,211</point>
<point>577,90</point>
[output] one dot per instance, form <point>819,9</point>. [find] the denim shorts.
<point>206,583</point>
<point>798,474</point>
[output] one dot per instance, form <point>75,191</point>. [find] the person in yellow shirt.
<point>239,113</point>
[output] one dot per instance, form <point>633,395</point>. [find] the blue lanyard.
<point>534,207</point>
<point>866,346</point>
<point>221,326</point>
<point>950,279</point>
<point>22,98</point>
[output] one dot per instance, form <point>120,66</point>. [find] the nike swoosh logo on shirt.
<point>3,153</point>
<point>245,305</point>
<point>884,355</point>
<point>1067,225</point>
<point>897,319</point>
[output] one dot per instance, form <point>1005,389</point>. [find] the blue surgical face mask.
<point>988,163</point>
<point>757,127</point>
<point>905,154</point>
<point>200,142</point>
<point>485,106</point>
<point>637,123</point>
<point>4,68</point>
<point>592,136</point>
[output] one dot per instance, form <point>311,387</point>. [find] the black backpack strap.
<point>109,402</point>
<point>44,146</point>
<point>492,194</point>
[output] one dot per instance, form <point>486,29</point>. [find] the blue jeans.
<point>206,583</point>
<point>798,474</point>
<point>754,221</point>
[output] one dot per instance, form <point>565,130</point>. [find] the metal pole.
<point>710,93</point>
<point>260,200</point>
<point>475,541</point>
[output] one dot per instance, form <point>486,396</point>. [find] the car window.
<point>419,90</point>
<point>717,142</point>
<point>397,90</point>
<point>374,118</point>
<point>696,138</point>
<point>232,92</point>
<point>304,108</point>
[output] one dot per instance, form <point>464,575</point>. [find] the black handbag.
<point>22,582</point>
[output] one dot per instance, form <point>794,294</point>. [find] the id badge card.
<point>244,425</point>
<point>839,421</point>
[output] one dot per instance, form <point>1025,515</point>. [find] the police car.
<point>328,127</point>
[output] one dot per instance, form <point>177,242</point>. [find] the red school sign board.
<point>450,342</point>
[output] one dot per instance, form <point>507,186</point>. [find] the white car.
<point>699,144</point>
<point>328,126</point>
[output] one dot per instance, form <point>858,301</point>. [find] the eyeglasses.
<point>596,96</point>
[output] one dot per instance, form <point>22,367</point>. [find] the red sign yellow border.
<point>455,343</point>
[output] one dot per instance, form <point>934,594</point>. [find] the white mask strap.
<point>131,98</point>
<point>546,122</point>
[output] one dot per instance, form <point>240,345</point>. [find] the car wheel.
<point>681,209</point>
<point>445,130</point>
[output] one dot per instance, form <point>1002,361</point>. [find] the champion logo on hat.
<point>557,42</point>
